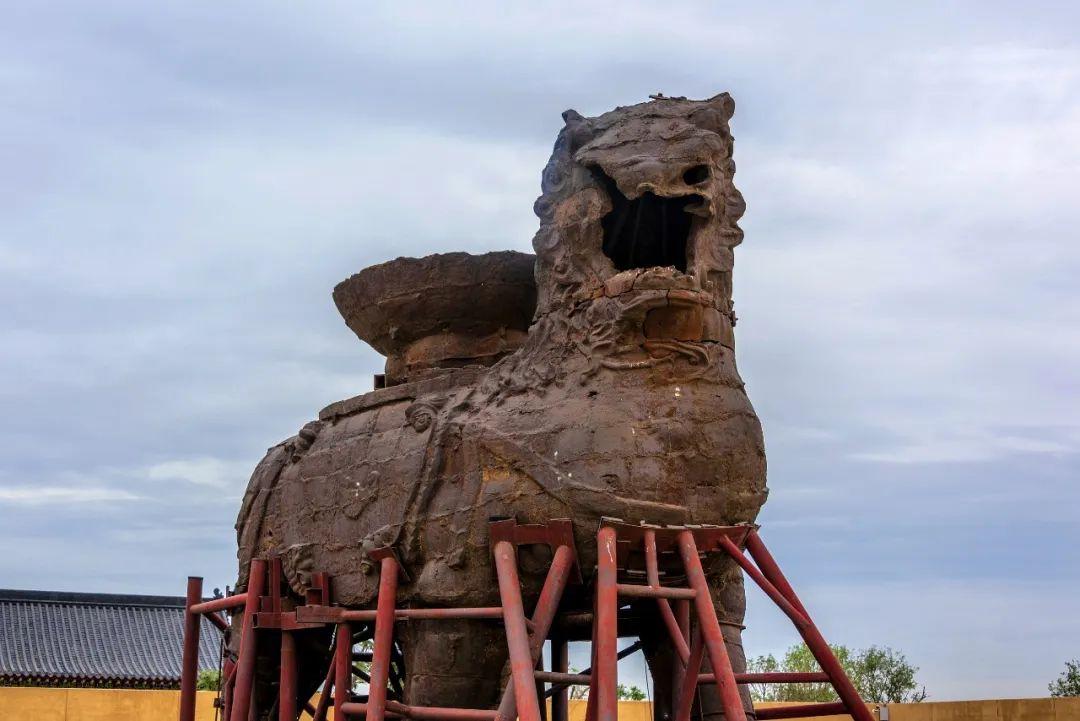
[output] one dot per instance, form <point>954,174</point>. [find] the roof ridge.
<point>90,599</point>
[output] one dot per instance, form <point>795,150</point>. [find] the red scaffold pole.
<point>606,645</point>
<point>517,634</point>
<point>343,670</point>
<point>287,691</point>
<point>384,638</point>
<point>190,663</point>
<point>560,663</point>
<point>325,695</point>
<point>228,678</point>
<point>245,665</point>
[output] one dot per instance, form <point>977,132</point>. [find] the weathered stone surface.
<point>622,399</point>
<point>442,311</point>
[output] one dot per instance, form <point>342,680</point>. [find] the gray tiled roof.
<point>53,638</point>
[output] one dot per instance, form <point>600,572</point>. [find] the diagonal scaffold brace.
<point>618,543</point>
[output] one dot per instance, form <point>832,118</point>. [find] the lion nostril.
<point>696,174</point>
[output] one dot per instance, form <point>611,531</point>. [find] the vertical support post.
<point>245,665</point>
<point>228,676</point>
<point>189,668</point>
<point>546,607</point>
<point>343,670</point>
<point>287,680</point>
<point>517,633</point>
<point>687,689</point>
<point>590,702</point>
<point>810,633</point>
<point>606,669</point>
<point>540,688</point>
<point>324,696</point>
<point>560,663</point>
<point>682,615</point>
<point>678,669</point>
<point>384,639</point>
<point>710,631</point>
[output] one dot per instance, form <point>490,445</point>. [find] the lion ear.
<point>725,103</point>
<point>572,117</point>
<point>578,129</point>
<point>714,114</point>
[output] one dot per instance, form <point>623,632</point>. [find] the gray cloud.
<point>181,186</point>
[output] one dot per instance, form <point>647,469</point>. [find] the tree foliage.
<point>208,680</point>
<point>1068,683</point>
<point>624,692</point>
<point>883,675</point>
<point>880,674</point>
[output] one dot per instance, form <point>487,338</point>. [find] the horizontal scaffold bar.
<point>773,677</point>
<point>220,604</point>
<point>564,679</point>
<point>335,614</point>
<point>629,589</point>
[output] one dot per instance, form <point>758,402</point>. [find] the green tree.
<point>880,674</point>
<point>1068,683</point>
<point>883,675</point>
<point>208,680</point>
<point>624,692</point>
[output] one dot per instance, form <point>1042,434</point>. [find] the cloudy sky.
<point>182,184</point>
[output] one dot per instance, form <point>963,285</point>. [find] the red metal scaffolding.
<point>626,555</point>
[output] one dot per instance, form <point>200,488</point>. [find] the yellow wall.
<point>94,704</point>
<point>771,704</point>
<point>628,711</point>
<point>1025,709</point>
<point>77,704</point>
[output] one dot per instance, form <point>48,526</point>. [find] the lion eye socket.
<point>696,174</point>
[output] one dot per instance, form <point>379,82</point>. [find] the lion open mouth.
<point>649,230</point>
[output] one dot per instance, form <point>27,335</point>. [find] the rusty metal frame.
<point>261,613</point>
<point>189,662</point>
<point>525,636</point>
<point>627,554</point>
<point>690,543</point>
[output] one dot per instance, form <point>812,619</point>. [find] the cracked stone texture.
<point>621,398</point>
